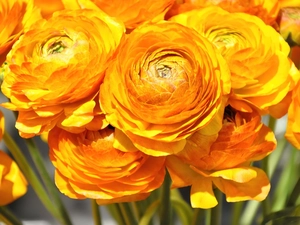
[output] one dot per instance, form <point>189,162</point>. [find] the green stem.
<point>272,123</point>
<point>136,210</point>
<point>31,177</point>
<point>251,207</point>
<point>116,213</point>
<point>294,195</point>
<point>287,179</point>
<point>48,182</point>
<point>198,216</point>
<point>208,216</point>
<point>8,216</point>
<point>237,209</point>
<point>216,212</point>
<point>165,208</point>
<point>249,213</point>
<point>96,212</point>
<point>266,203</point>
<point>127,214</point>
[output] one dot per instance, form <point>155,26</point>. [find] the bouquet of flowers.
<point>139,99</point>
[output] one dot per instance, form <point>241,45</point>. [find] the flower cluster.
<point>124,92</point>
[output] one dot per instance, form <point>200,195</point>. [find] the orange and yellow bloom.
<point>261,72</point>
<point>56,69</point>
<point>224,161</point>
<point>162,86</point>
<point>89,166</point>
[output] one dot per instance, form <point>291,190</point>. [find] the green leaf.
<point>149,212</point>
<point>286,216</point>
<point>183,210</point>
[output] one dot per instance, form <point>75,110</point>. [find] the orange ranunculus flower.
<point>289,25</point>
<point>15,17</point>
<point>223,161</point>
<point>165,83</point>
<point>293,125</point>
<point>12,182</point>
<point>56,69</point>
<point>261,72</point>
<point>89,166</point>
<point>131,12</point>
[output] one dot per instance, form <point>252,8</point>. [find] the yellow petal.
<point>12,182</point>
<point>202,195</point>
<point>256,189</point>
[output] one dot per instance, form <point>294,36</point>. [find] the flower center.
<point>163,71</point>
<point>225,39</point>
<point>56,45</point>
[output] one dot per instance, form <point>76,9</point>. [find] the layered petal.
<point>89,166</point>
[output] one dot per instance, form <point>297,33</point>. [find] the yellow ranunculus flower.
<point>261,72</point>
<point>165,83</point>
<point>56,69</point>
<point>15,17</point>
